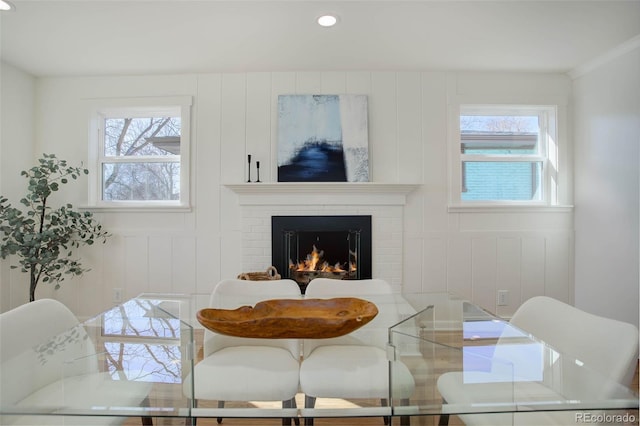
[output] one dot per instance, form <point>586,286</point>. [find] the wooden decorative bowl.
<point>291,318</point>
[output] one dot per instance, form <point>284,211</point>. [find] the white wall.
<point>17,106</point>
<point>607,160</point>
<point>471,253</point>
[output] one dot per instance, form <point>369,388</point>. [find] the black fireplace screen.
<point>306,247</point>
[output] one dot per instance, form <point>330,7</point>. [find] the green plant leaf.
<point>42,236</point>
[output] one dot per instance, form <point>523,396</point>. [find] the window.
<point>503,155</point>
<point>141,152</point>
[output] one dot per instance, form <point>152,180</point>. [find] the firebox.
<point>307,247</point>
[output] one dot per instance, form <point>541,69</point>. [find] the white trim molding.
<point>321,193</point>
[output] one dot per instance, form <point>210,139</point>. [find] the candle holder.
<point>249,168</point>
<point>258,171</point>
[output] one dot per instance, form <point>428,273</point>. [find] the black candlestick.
<point>249,168</point>
<point>258,169</point>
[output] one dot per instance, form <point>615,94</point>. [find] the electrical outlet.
<point>503,297</point>
<point>117,295</point>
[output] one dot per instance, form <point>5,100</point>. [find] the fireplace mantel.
<point>322,193</point>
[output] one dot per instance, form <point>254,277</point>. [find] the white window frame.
<point>547,154</point>
<point>138,107</point>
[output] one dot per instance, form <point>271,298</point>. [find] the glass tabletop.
<point>488,365</point>
<point>144,351</point>
<point>130,361</point>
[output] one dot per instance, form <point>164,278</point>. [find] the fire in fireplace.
<point>307,247</point>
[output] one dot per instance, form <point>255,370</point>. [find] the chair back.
<point>377,291</point>
<point>234,293</point>
<point>603,344</point>
<point>38,342</point>
<point>590,347</point>
<point>327,287</point>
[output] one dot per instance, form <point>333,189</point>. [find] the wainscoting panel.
<point>136,265</point>
<point>533,267</point>
<point>459,266</point>
<point>483,270</point>
<point>160,266</point>
<point>508,273</point>
<point>476,266</point>
<point>183,276</point>
<point>558,270</point>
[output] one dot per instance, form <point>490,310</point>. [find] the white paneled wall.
<point>474,254</point>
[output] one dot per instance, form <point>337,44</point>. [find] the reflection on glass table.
<point>130,361</point>
<point>469,363</point>
<point>141,342</point>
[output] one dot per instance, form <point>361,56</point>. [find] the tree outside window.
<point>139,152</point>
<point>142,159</point>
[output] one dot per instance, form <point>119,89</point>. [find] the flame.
<point>314,262</point>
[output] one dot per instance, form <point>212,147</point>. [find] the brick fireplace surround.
<point>384,202</point>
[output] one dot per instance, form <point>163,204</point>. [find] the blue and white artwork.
<point>323,138</point>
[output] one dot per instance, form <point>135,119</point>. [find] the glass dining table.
<point>156,339</point>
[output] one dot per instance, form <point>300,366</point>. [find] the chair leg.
<point>220,405</point>
<point>146,420</point>
<point>191,421</point>
<point>286,421</point>
<point>387,419</point>
<point>405,420</point>
<point>444,418</point>
<point>309,402</point>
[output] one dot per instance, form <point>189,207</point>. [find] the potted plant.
<point>42,237</point>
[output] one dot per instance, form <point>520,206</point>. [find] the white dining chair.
<point>592,351</point>
<point>248,369</point>
<point>49,363</point>
<point>356,365</point>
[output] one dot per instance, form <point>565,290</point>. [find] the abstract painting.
<point>323,138</point>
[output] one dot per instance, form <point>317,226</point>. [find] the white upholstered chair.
<point>248,369</point>
<point>48,362</point>
<point>356,365</point>
<point>605,347</point>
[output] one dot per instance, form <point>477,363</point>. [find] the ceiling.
<point>107,37</point>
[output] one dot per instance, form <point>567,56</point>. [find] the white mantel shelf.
<point>322,193</point>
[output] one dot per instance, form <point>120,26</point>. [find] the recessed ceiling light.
<point>327,20</point>
<point>5,5</point>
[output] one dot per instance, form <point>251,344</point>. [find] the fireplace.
<point>306,247</point>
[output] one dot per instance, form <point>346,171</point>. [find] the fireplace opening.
<point>307,247</point>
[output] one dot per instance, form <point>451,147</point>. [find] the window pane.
<point>142,136</point>
<point>146,362</point>
<point>493,181</point>
<point>140,181</point>
<point>499,134</point>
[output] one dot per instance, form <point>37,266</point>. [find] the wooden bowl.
<point>291,318</point>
